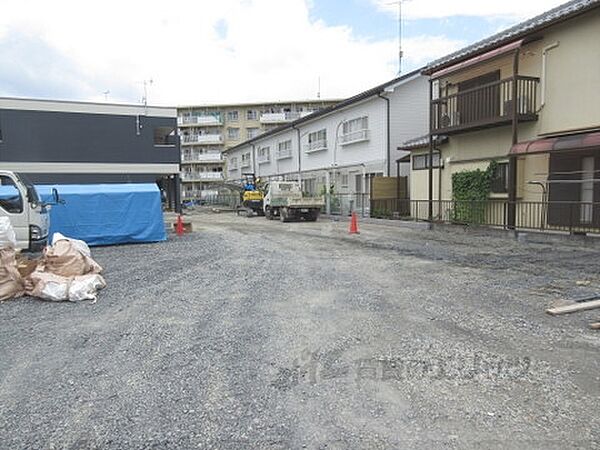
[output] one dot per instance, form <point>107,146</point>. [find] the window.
<point>10,197</point>
<point>246,159</point>
<point>252,132</point>
<point>284,149</point>
<point>232,116</point>
<point>345,180</point>
<point>355,130</point>
<point>264,155</point>
<point>500,179</point>
<point>233,163</point>
<point>362,123</point>
<point>420,162</point>
<point>252,114</point>
<point>233,133</point>
<point>164,136</point>
<point>317,140</point>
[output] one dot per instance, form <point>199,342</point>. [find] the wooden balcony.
<point>485,106</point>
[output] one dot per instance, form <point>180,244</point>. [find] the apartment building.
<point>207,130</point>
<point>341,147</point>
<point>527,99</point>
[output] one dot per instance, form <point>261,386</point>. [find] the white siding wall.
<point>408,114</point>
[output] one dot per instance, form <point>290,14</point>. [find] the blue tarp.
<point>104,214</point>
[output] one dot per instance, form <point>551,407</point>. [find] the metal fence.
<point>573,217</point>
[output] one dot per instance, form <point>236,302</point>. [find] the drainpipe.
<point>430,168</point>
<point>512,161</point>
<point>544,70</point>
<point>299,155</point>
<point>253,155</point>
<point>387,154</point>
<point>327,196</point>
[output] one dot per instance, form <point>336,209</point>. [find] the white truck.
<point>28,215</point>
<point>284,199</point>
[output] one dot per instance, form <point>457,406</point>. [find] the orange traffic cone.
<point>179,226</point>
<point>353,224</point>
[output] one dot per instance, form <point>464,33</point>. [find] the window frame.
<point>20,207</point>
<point>503,166</point>
<point>437,162</point>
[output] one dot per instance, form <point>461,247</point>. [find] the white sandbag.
<point>49,286</point>
<point>86,287</point>
<point>7,233</point>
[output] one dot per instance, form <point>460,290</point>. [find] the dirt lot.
<point>257,334</point>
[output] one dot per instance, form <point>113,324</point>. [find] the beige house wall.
<point>572,103</point>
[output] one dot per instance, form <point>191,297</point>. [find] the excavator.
<point>251,196</point>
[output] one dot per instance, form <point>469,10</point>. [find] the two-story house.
<point>528,99</point>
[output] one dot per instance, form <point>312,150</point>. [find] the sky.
<point>190,52</point>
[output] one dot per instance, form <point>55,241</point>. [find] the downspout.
<point>512,161</point>
<point>253,154</point>
<point>545,51</point>
<point>430,168</point>
<point>299,155</point>
<point>388,153</point>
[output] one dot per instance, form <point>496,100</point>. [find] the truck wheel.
<point>313,216</point>
<point>249,213</point>
<point>268,213</point>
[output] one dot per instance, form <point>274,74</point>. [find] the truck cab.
<point>28,215</point>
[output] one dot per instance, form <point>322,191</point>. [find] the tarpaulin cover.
<point>104,214</point>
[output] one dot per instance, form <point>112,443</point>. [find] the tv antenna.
<point>106,95</point>
<point>319,87</point>
<point>400,52</point>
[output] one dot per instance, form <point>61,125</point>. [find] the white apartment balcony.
<point>264,159</point>
<point>245,164</point>
<point>284,154</point>
<point>354,136</point>
<point>316,146</point>
<point>283,117</point>
<point>201,176</point>
<point>202,158</point>
<point>187,121</point>
<point>201,139</point>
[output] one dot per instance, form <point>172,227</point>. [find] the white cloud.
<point>195,51</point>
<point>424,9</point>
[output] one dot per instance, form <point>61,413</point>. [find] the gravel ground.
<point>256,334</point>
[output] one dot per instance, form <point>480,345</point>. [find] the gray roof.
<point>347,102</point>
<point>558,14</point>
<point>421,141</point>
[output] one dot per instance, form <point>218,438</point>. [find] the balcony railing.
<point>201,139</point>
<point>315,146</point>
<point>208,120</point>
<point>201,176</point>
<point>283,154</point>
<point>484,106</point>
<point>282,117</point>
<point>354,136</point>
<point>245,163</point>
<point>263,159</point>
<point>203,158</point>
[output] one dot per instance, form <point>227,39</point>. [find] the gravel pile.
<point>257,334</point>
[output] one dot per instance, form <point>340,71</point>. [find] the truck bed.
<point>298,202</point>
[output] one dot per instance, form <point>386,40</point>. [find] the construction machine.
<point>251,196</point>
